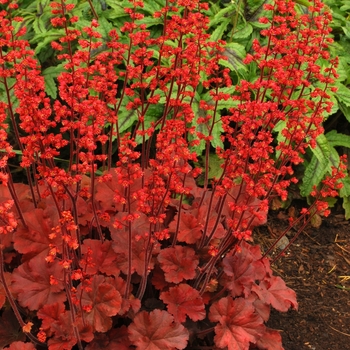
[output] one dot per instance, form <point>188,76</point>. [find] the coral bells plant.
<point>111,241</point>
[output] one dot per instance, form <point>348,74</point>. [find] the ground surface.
<point>317,267</point>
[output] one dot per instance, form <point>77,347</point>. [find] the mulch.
<point>317,267</point>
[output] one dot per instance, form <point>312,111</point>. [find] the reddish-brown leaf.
<point>64,333</point>
<point>192,223</point>
<point>10,330</point>
<point>19,345</point>
<point>34,239</point>
<point>103,257</point>
<point>261,308</point>
<point>207,199</point>
<point>119,338</point>
<point>6,240</point>
<point>58,343</point>
<point>248,208</point>
<point>191,184</point>
<point>270,340</point>
<point>239,324</point>
<point>106,190</point>
<point>243,269</point>
<point>190,229</point>
<point>115,339</point>
<point>127,303</point>
<point>158,278</point>
<point>157,331</point>
<point>31,281</point>
<point>50,314</point>
<point>219,229</point>
<point>140,241</point>
<point>178,263</point>
<point>61,343</point>
<point>24,197</point>
<point>8,278</point>
<point>274,291</point>
<point>183,300</point>
<point>83,206</point>
<point>103,300</point>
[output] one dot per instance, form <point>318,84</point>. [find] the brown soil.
<point>317,267</point>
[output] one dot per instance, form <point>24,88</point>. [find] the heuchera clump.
<point>133,252</point>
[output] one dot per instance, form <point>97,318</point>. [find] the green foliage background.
<point>236,22</point>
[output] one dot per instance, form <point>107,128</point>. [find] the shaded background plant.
<point>113,240</point>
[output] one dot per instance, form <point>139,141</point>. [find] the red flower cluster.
<point>140,254</point>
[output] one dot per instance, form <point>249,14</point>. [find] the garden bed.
<point>316,267</point>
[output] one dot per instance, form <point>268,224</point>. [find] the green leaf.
<point>259,25</point>
<point>243,31</point>
<point>82,23</point>
<point>154,112</point>
<point>46,38</point>
<point>104,27</point>
<point>10,81</point>
<point>342,140</point>
<point>216,133</point>
<point>222,104</point>
<point>235,54</point>
<point>334,159</point>
<point>346,32</point>
<point>316,171</point>
<point>219,30</point>
<point>215,170</point>
<point>346,207</point>
<point>119,7</point>
<point>335,105</point>
<point>39,26</point>
<point>174,94</point>
<point>322,150</point>
<point>151,7</point>
<point>346,111</point>
<point>343,69</point>
<point>49,75</point>
<point>343,94</point>
<point>99,6</point>
<point>336,140</point>
<point>303,2</point>
<point>281,125</point>
<point>331,201</point>
<point>313,175</point>
<point>324,156</point>
<point>256,6</point>
<point>222,14</point>
<point>345,190</point>
<point>113,14</point>
<point>204,128</point>
<point>126,119</point>
<point>80,9</point>
<point>150,21</point>
<point>3,95</point>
